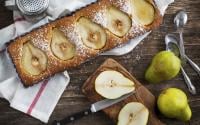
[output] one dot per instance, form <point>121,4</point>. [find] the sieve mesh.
<point>32,6</point>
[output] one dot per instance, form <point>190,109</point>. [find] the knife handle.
<point>72,118</point>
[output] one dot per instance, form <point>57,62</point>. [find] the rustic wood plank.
<point>136,63</point>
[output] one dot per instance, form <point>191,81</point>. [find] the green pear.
<point>164,66</point>
<point>173,103</point>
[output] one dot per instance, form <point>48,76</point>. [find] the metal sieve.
<point>31,9</point>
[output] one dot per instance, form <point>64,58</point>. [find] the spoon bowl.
<point>172,44</point>
<point>180,19</point>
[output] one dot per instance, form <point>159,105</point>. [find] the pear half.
<point>92,34</point>
<point>119,23</point>
<point>143,12</point>
<point>60,45</point>
<point>34,60</point>
<point>112,84</point>
<point>133,113</point>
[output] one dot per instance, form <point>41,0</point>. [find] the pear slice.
<point>34,60</point>
<point>143,12</point>
<point>60,45</point>
<point>92,34</point>
<point>112,84</point>
<point>119,23</point>
<point>133,113</point>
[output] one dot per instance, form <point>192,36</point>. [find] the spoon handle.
<point>181,44</point>
<point>190,86</point>
<point>193,64</point>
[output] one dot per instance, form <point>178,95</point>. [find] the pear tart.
<point>71,40</point>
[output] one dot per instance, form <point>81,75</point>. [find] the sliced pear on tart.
<point>34,60</point>
<point>143,12</point>
<point>60,45</point>
<point>92,34</point>
<point>119,23</point>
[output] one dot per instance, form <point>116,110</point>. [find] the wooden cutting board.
<point>142,95</point>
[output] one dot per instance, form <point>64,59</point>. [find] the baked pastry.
<point>71,40</point>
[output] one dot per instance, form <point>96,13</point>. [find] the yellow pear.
<point>164,66</point>
<point>173,103</point>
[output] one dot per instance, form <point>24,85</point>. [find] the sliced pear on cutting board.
<point>143,12</point>
<point>119,23</point>
<point>133,113</point>
<point>34,60</point>
<point>112,84</point>
<point>92,34</point>
<point>60,45</point>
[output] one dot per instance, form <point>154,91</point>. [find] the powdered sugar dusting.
<point>20,49</point>
<point>136,28</point>
<point>40,40</point>
<point>100,17</point>
<point>74,37</point>
<point>71,32</point>
<point>124,5</point>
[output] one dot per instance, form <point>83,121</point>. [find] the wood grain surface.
<point>136,62</point>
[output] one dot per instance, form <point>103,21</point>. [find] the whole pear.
<point>173,103</point>
<point>164,66</point>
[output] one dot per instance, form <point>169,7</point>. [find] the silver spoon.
<point>180,20</point>
<point>172,45</point>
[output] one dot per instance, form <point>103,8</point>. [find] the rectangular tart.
<point>71,40</point>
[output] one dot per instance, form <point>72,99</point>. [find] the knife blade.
<point>107,103</point>
<point>100,105</point>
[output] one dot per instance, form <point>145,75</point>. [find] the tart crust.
<point>41,38</point>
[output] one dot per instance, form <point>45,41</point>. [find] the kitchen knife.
<point>93,108</point>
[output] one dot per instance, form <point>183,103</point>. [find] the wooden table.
<point>136,62</point>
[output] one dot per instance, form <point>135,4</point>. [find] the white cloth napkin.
<point>40,100</point>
